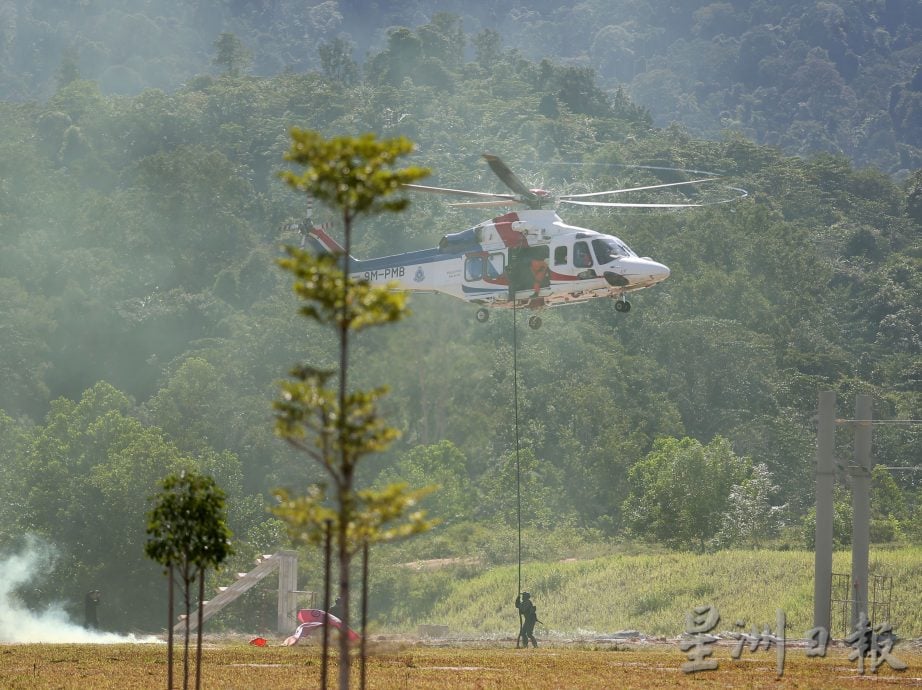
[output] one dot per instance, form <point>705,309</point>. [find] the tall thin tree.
<point>333,425</point>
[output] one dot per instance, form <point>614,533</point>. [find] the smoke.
<point>20,624</point>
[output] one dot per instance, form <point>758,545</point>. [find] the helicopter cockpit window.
<point>473,268</point>
<point>608,250</point>
<point>495,265</point>
<point>582,258</point>
<point>560,256</point>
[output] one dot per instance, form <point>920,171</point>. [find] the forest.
<point>145,324</point>
<point>804,76</point>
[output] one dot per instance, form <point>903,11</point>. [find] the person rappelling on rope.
<point>529,613</point>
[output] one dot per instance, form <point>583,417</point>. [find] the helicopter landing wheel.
<point>534,322</point>
<point>622,305</point>
<point>483,315</point>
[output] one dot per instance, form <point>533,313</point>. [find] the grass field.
<point>651,593</point>
<point>582,601</point>
<point>392,666</point>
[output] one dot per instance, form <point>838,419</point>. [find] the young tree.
<point>680,490</point>
<point>231,55</point>
<point>333,426</point>
<point>188,534</point>
<point>336,61</point>
<point>750,517</point>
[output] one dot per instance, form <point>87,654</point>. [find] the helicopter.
<point>526,258</point>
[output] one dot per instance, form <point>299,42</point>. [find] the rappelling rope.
<point>518,475</point>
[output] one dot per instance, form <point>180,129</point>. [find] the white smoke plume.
<point>20,624</point>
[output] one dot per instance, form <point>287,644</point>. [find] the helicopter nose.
<point>648,272</point>
<point>658,271</point>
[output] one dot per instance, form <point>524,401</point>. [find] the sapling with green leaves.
<point>317,413</point>
<point>187,534</point>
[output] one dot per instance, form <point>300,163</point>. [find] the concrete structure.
<point>825,479</point>
<point>859,472</point>
<point>286,564</point>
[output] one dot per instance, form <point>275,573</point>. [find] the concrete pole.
<point>825,477</point>
<point>861,508</point>
<point>288,585</point>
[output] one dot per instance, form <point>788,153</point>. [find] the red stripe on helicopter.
<point>510,237</point>
<point>328,242</point>
<point>562,276</point>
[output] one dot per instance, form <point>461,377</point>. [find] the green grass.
<point>650,593</point>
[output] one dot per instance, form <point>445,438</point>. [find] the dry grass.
<point>481,666</point>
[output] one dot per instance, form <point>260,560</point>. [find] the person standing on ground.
<point>529,613</point>
<point>90,604</point>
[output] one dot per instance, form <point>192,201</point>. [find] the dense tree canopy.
<point>681,490</point>
<point>840,77</point>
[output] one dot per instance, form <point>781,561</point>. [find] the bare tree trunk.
<point>362,648</point>
<point>344,562</point>
<point>327,555</point>
<point>198,637</point>
<point>345,487</point>
<point>187,599</point>
<point>169,631</point>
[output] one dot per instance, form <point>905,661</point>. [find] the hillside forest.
<point>145,325</point>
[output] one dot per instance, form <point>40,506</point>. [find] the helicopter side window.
<point>495,266</point>
<point>581,256</point>
<point>473,268</point>
<point>560,256</point>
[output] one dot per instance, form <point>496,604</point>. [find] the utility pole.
<point>860,472</point>
<point>825,446</point>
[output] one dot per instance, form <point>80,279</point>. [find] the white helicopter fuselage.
<point>527,255</point>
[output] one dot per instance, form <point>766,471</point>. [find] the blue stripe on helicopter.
<point>423,256</point>
<point>468,290</point>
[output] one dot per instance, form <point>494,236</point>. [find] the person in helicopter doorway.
<point>541,273</point>
<point>529,613</point>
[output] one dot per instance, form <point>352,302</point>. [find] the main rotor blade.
<point>627,204</point>
<point>638,189</point>
<point>458,192</point>
<point>486,204</point>
<point>508,177</point>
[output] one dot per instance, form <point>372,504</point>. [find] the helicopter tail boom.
<point>322,243</point>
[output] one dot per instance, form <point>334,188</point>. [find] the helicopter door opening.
<point>529,272</point>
